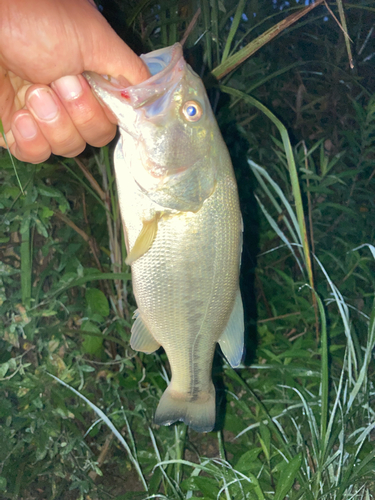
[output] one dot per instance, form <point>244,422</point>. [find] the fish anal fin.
<point>141,339</point>
<point>199,414</point>
<point>231,340</point>
<point>145,239</point>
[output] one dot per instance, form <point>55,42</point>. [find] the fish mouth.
<point>152,96</point>
<point>166,67</point>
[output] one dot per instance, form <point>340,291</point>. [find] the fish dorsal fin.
<point>145,239</point>
<point>141,339</point>
<point>231,340</point>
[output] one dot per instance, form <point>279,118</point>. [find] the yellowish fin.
<point>145,239</point>
<point>198,414</point>
<point>232,338</point>
<point>141,339</point>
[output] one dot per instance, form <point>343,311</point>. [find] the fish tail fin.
<point>198,414</point>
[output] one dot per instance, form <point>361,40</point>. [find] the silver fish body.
<point>180,210</point>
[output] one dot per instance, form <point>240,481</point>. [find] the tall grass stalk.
<point>292,172</point>
<point>335,475</point>
<point>2,132</point>
<point>232,62</point>
<point>26,249</point>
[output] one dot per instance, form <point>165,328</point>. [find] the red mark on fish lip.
<point>125,94</point>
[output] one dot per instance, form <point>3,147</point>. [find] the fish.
<point>183,229</point>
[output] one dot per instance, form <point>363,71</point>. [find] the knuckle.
<point>69,148</point>
<point>87,118</point>
<point>76,152</point>
<point>102,140</point>
<point>35,156</point>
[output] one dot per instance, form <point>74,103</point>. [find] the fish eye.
<point>192,111</point>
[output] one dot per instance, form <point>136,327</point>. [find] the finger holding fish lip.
<point>94,123</point>
<point>54,121</point>
<point>60,119</point>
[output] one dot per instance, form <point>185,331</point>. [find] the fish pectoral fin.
<point>231,340</point>
<point>141,339</point>
<point>145,239</point>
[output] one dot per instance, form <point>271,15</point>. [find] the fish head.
<point>172,127</point>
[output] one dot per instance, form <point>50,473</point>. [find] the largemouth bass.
<point>183,229</point>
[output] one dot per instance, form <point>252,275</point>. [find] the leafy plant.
<point>76,403</point>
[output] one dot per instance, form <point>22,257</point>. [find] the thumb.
<point>105,53</point>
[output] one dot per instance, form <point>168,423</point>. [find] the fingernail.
<point>25,126</point>
<point>69,87</point>
<point>43,104</point>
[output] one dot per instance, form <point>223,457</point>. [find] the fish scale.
<point>183,226</point>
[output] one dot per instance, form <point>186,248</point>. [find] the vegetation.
<point>296,421</point>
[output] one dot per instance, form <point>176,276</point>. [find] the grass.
<point>296,420</point>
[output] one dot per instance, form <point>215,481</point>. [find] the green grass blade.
<point>278,231</point>
<point>311,420</point>
<point>370,247</point>
<point>158,457</point>
<point>207,31</point>
<point>273,75</point>
<point>324,373</point>
<point>345,30</point>
<point>239,57</point>
<point>85,279</point>
<point>215,29</point>
<point>26,263</point>
<point>26,252</point>
<point>84,184</point>
<point>222,456</point>
<point>233,375</point>
<point>173,14</point>
<point>261,173</point>
<point>163,27</point>
<point>362,378</point>
<point>345,318</point>
<point>107,421</point>
<point>292,172</point>
<point>336,407</point>
<point>324,392</point>
<point>233,29</point>
<point>2,132</point>
<point>288,477</point>
<point>130,19</point>
<point>180,438</point>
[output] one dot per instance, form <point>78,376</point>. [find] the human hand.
<point>46,105</point>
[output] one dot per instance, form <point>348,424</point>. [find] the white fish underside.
<point>186,283</point>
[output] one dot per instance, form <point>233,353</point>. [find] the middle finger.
<point>88,115</point>
<point>54,121</point>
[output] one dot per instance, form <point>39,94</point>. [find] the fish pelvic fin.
<point>232,339</point>
<point>145,239</point>
<point>142,339</point>
<point>198,414</point>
